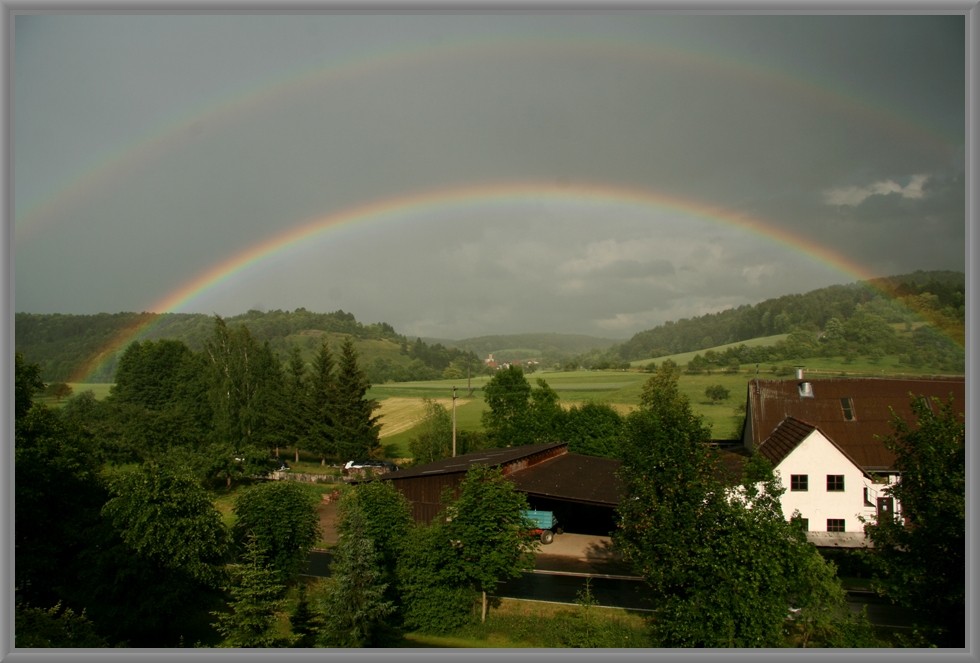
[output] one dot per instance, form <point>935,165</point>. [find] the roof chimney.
<point>799,372</point>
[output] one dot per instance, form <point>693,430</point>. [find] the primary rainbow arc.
<point>392,210</point>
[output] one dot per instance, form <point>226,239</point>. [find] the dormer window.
<point>847,407</point>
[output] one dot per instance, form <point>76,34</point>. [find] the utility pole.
<point>454,422</point>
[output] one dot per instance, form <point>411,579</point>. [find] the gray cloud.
<point>149,149</point>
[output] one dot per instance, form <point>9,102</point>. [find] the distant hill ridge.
<point>61,343</point>
<point>933,297</point>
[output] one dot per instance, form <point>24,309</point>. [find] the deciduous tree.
<point>507,418</point>
<point>487,528</point>
<point>717,392</point>
<point>920,556</point>
<point>435,596</point>
<point>281,518</point>
<point>57,493</point>
<point>160,564</point>
<point>516,414</point>
<point>164,515</point>
<point>593,429</point>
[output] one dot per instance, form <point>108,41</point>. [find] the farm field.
<point>402,403</point>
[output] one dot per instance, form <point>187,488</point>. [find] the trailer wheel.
<point>547,536</point>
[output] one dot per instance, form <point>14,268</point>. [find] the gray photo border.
<point>10,8</point>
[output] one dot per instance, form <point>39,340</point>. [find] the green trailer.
<point>544,524</point>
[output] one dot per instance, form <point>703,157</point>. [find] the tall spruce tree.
<point>356,427</point>
<point>297,406</point>
<point>354,605</point>
<point>323,398</point>
<point>256,598</point>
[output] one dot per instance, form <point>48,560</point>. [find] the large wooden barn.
<point>582,491</point>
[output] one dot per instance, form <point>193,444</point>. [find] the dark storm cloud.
<point>174,143</point>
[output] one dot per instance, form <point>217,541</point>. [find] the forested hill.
<point>62,344</point>
<point>935,297</point>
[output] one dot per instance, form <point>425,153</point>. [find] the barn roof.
<point>544,470</point>
<point>857,430</point>
<point>492,457</point>
<point>573,477</point>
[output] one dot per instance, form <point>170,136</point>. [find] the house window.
<point>847,406</point>
<point>799,481</point>
<point>805,523</point>
<point>867,497</point>
<point>835,483</point>
<point>835,524</point>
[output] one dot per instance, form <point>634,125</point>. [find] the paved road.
<point>557,587</point>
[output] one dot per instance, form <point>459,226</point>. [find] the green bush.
<point>439,609</point>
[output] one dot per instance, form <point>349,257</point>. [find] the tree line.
<point>228,409</point>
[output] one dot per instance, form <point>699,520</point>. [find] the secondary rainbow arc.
<point>114,165</point>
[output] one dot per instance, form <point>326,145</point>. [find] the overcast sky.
<point>596,174</point>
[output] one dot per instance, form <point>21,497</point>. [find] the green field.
<point>622,388</point>
<point>402,402</point>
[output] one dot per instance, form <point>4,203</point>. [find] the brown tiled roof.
<point>770,402</point>
<point>787,436</point>
<point>573,477</point>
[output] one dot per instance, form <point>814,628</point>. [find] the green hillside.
<point>917,318</point>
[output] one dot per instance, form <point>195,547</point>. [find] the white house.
<point>824,438</point>
<point>823,485</point>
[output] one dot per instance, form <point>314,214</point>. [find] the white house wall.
<point>816,457</point>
